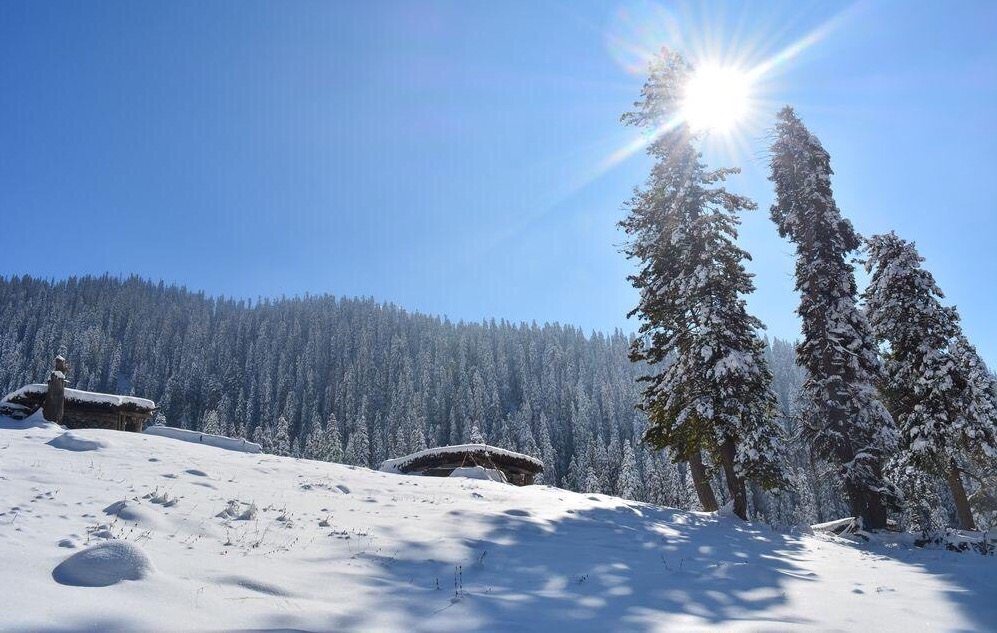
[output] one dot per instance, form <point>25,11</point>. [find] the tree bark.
<point>959,495</point>
<point>735,483</point>
<point>875,517</point>
<point>703,490</point>
<point>867,505</point>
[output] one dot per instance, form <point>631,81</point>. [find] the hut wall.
<point>77,417</point>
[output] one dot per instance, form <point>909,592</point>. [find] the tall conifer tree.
<point>710,390</point>
<point>943,419</point>
<point>843,415</point>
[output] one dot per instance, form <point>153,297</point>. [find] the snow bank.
<point>218,441</point>
<point>103,565</point>
<point>20,422</point>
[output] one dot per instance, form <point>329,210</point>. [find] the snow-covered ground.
<point>104,530</point>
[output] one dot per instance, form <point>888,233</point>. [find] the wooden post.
<point>55,400</point>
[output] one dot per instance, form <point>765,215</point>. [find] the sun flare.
<point>716,98</point>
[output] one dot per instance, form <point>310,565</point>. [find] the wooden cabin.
<point>517,468</point>
<point>77,409</point>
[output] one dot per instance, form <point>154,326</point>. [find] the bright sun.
<point>716,98</point>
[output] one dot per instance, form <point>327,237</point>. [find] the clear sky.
<point>463,158</point>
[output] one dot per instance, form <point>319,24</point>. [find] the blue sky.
<point>453,158</point>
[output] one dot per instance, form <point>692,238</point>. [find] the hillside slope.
<point>180,536</point>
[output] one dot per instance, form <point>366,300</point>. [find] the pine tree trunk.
<point>875,518</point>
<point>703,490</point>
<point>867,505</point>
<point>961,500</point>
<point>815,478</point>
<point>763,509</point>
<point>735,483</point>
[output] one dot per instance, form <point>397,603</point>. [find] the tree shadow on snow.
<point>970,578</point>
<point>629,567</point>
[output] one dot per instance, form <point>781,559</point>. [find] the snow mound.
<point>72,442</point>
<point>218,441</point>
<point>479,472</point>
<point>104,565</point>
<point>133,512</point>
<point>17,423</point>
<point>255,585</point>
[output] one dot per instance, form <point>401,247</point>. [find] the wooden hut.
<point>77,409</point>
<point>517,468</point>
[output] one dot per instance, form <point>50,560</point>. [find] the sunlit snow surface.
<point>212,539</point>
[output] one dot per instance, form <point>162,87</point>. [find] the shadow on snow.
<point>624,567</point>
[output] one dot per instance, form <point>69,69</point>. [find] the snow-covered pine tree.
<point>314,445</point>
<point>358,445</point>
<point>331,441</point>
<point>574,479</point>
<point>922,384</point>
<point>211,423</point>
<point>264,435</point>
<point>549,455</point>
<point>591,483</point>
<point>979,407</point>
<point>711,386</point>
<point>845,419</point>
<point>628,481</point>
<point>282,437</point>
<point>476,436</point>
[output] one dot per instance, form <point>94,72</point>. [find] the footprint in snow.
<point>343,489</point>
<point>196,472</point>
<point>518,513</point>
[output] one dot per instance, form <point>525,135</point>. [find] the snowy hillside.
<point>102,530</point>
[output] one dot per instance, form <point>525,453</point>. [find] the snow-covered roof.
<point>402,464</point>
<point>83,397</point>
